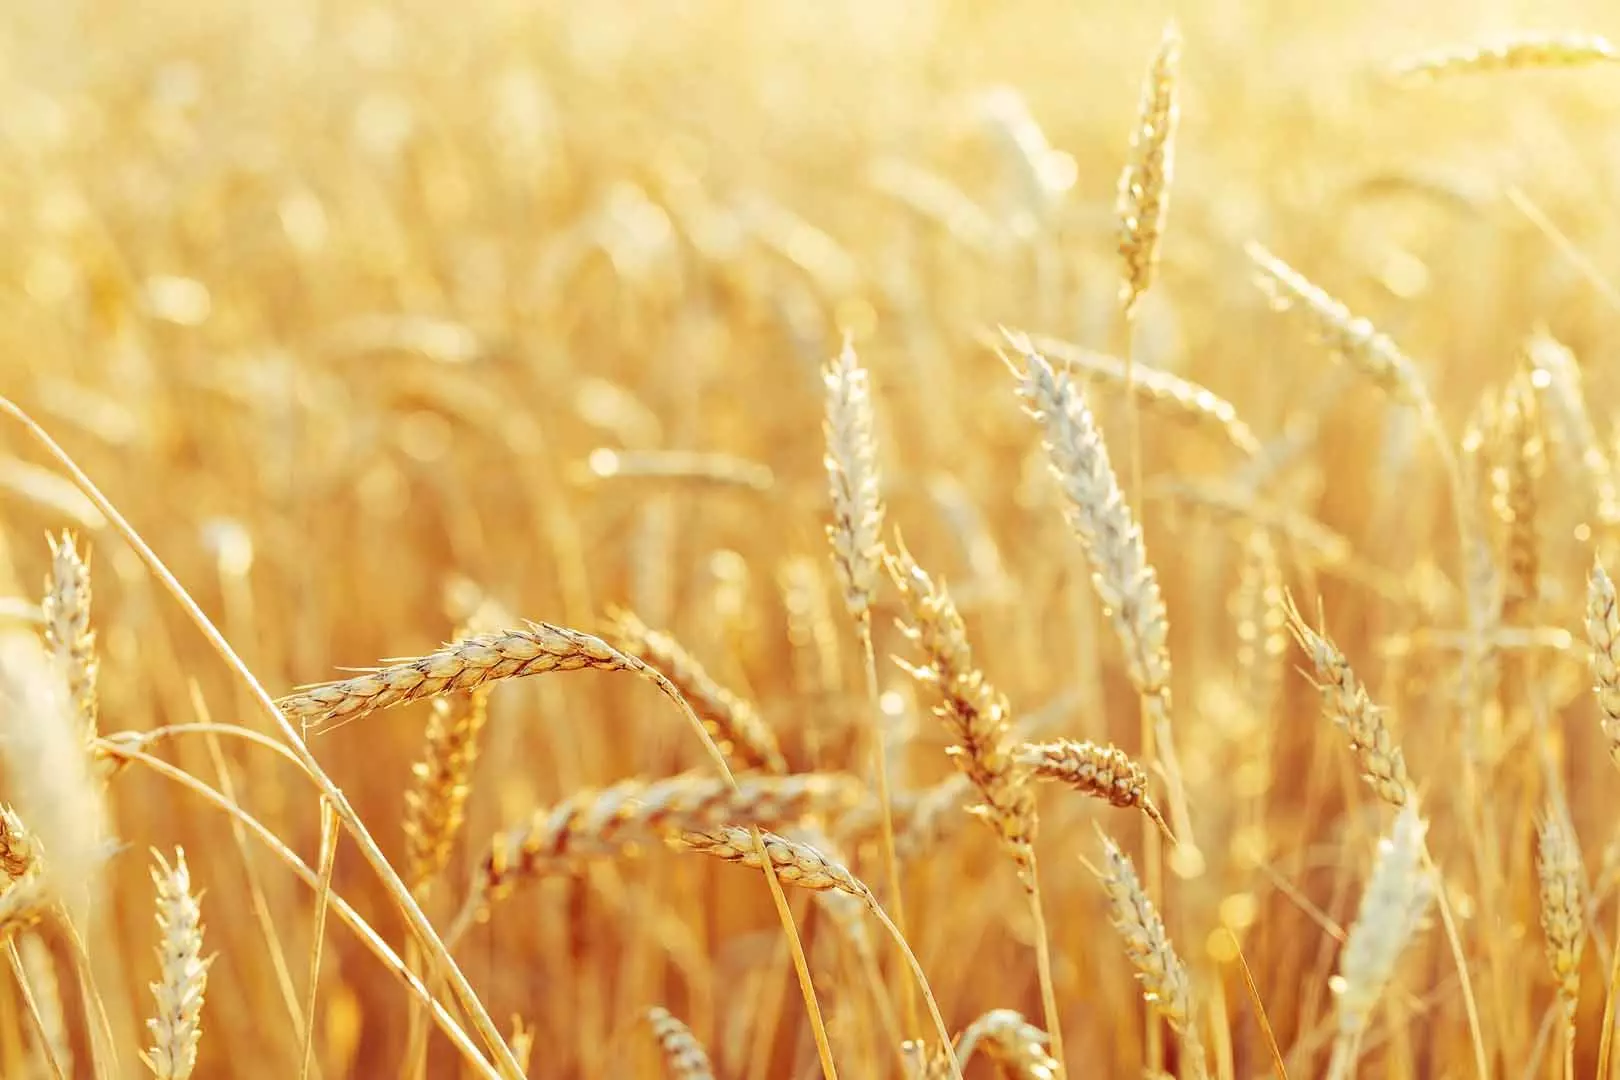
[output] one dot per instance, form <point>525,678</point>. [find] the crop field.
<point>882,539</point>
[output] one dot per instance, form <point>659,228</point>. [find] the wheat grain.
<point>18,851</point>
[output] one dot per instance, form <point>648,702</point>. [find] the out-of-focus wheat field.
<point>380,321</point>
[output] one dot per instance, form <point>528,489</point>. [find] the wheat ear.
<point>67,632</point>
<point>1563,907</point>
<point>1603,634</point>
<point>1513,54</point>
<point>176,1026</point>
<point>1123,578</point>
<point>1165,983</point>
<point>435,805</point>
<point>1392,910</point>
<point>684,1056</point>
<point>1144,185</point>
<point>1018,1047</point>
<point>1101,772</point>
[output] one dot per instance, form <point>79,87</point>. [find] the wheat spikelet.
<point>742,734</point>
<point>1514,54</point>
<point>1346,703</point>
<point>605,822</point>
<point>1603,634</point>
<point>435,805</point>
<point>852,474</point>
<point>1175,397</point>
<point>796,863</point>
<point>1165,983</point>
<point>464,665</point>
<point>1018,1047</point>
<point>971,708</point>
<point>66,608</point>
<point>18,851</point>
<point>1102,772</point>
<point>684,1056</point>
<point>40,967</point>
<point>1349,337</point>
<point>176,1026</point>
<point>1392,910</point>
<point>1144,185</point>
<point>1563,906</point>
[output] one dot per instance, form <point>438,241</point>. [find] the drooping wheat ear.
<point>1124,580</point>
<point>1102,772</point>
<point>40,967</point>
<point>1165,983</point>
<point>1563,906</point>
<point>1519,453</point>
<point>68,636</point>
<point>1144,186</point>
<point>1514,54</point>
<point>1017,1046</point>
<point>972,709</point>
<point>1175,397</point>
<point>176,1027</point>
<point>464,665</point>
<point>684,1056</point>
<point>852,473</point>
<point>1392,911</point>
<point>742,734</point>
<point>797,864</point>
<point>1346,703</point>
<point>1353,339</point>
<point>436,803</point>
<point>1564,392</point>
<point>23,903</point>
<point>1603,634</point>
<point>1260,615</point>
<point>605,822</point>
<point>18,851</point>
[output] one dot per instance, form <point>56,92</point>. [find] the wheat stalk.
<point>736,725</point>
<point>57,1045</point>
<point>176,1026</point>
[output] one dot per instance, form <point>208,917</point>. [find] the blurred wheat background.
<point>386,323</point>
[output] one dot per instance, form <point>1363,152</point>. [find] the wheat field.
<point>1102,515</point>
